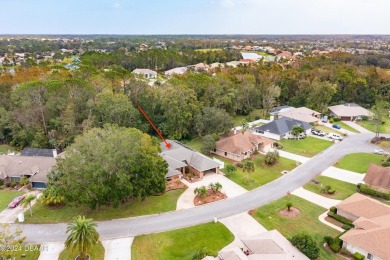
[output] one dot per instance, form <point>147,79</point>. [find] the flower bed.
<point>210,197</point>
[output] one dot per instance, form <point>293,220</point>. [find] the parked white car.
<point>335,136</point>
<point>381,152</point>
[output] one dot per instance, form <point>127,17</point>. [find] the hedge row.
<point>363,188</point>
<point>343,220</point>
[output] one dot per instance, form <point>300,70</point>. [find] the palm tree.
<point>248,167</point>
<point>218,186</point>
<point>83,236</point>
<point>201,191</point>
<point>212,186</point>
<point>244,127</point>
<point>23,181</point>
<point>289,205</point>
<point>27,201</point>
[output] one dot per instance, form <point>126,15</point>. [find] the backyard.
<point>6,196</point>
<point>96,253</point>
<point>358,162</point>
<point>308,147</point>
<point>343,189</point>
<point>151,205</point>
<point>307,221</point>
<point>182,243</point>
<point>237,119</point>
<point>262,174</point>
<point>5,148</point>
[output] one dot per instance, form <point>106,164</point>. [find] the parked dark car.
<point>336,126</point>
<point>15,202</point>
<point>317,132</point>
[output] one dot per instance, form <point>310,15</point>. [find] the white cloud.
<point>117,5</point>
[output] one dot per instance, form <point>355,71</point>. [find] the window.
<point>215,150</point>
<point>225,153</point>
<point>369,256</point>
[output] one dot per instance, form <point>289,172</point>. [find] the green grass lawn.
<point>237,119</point>
<point>370,125</point>
<point>347,127</point>
<point>195,144</point>
<point>343,189</point>
<point>307,221</point>
<point>4,148</point>
<point>151,205</point>
<point>384,144</point>
<point>262,174</point>
<point>358,162</point>
<point>6,197</point>
<point>308,147</point>
<point>181,243</point>
<point>23,252</point>
<point>96,253</point>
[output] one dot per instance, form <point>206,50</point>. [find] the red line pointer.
<point>168,145</point>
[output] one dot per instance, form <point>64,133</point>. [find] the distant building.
<point>302,114</point>
<point>281,128</point>
<point>177,71</point>
<point>274,112</point>
<point>147,73</point>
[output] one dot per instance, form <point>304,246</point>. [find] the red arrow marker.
<point>168,145</point>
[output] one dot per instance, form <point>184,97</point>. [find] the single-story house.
<point>180,157</point>
<point>378,177</point>
<point>302,114</point>
<point>178,71</point>
<point>371,234</point>
<point>281,128</point>
<point>36,168</point>
<point>147,73</point>
<point>267,245</point>
<point>238,146</point>
<point>274,112</point>
<point>349,112</point>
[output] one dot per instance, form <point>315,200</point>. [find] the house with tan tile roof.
<point>371,234</point>
<point>303,114</point>
<point>239,146</point>
<point>349,112</point>
<point>378,177</point>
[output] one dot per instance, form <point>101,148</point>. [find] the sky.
<point>195,17</point>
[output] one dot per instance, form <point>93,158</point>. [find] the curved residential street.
<point>39,233</point>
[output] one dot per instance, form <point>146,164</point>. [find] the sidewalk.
<point>118,249</point>
<point>343,175</point>
<point>315,198</point>
<point>322,219</point>
<point>294,157</point>
<point>51,251</point>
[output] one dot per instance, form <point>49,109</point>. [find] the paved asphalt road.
<point>183,218</point>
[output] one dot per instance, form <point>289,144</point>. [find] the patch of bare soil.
<point>174,184</point>
<point>210,197</point>
<point>294,212</point>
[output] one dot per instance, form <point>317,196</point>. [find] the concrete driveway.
<point>118,249</point>
<point>51,251</point>
<point>11,215</point>
<point>255,198</point>
<point>230,188</point>
<point>315,198</point>
<point>344,175</point>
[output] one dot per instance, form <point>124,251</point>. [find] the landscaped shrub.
<point>257,117</point>
<point>271,157</point>
<point>229,170</point>
<point>8,184</point>
<point>346,227</point>
<point>13,184</point>
<point>336,119</point>
<point>358,256</point>
<point>1,182</point>
<point>306,245</point>
<point>328,240</point>
<point>200,254</point>
<point>341,219</point>
<point>331,120</point>
<point>364,118</point>
<point>331,191</point>
<point>386,164</point>
<point>278,145</point>
<point>333,209</point>
<point>239,165</point>
<point>336,245</point>
<point>363,188</point>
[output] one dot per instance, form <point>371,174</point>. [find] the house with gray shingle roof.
<point>281,128</point>
<point>179,157</point>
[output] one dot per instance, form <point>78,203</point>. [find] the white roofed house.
<point>303,114</point>
<point>349,112</point>
<point>177,71</point>
<point>147,73</point>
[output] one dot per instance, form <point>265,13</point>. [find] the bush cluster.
<point>342,219</point>
<point>358,256</point>
<point>363,188</point>
<point>306,245</point>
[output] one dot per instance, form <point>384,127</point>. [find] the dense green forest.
<point>43,106</point>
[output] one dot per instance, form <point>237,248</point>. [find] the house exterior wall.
<point>346,215</point>
<point>353,249</point>
<point>201,174</point>
<point>269,135</point>
<point>266,148</point>
<point>232,156</point>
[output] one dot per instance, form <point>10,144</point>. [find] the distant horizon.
<point>196,17</point>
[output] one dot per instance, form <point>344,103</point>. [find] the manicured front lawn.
<point>6,196</point>
<point>370,125</point>
<point>358,162</point>
<point>29,252</point>
<point>307,221</point>
<point>343,189</point>
<point>96,253</point>
<point>181,243</point>
<point>347,127</point>
<point>151,205</point>
<point>262,174</point>
<point>308,147</point>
